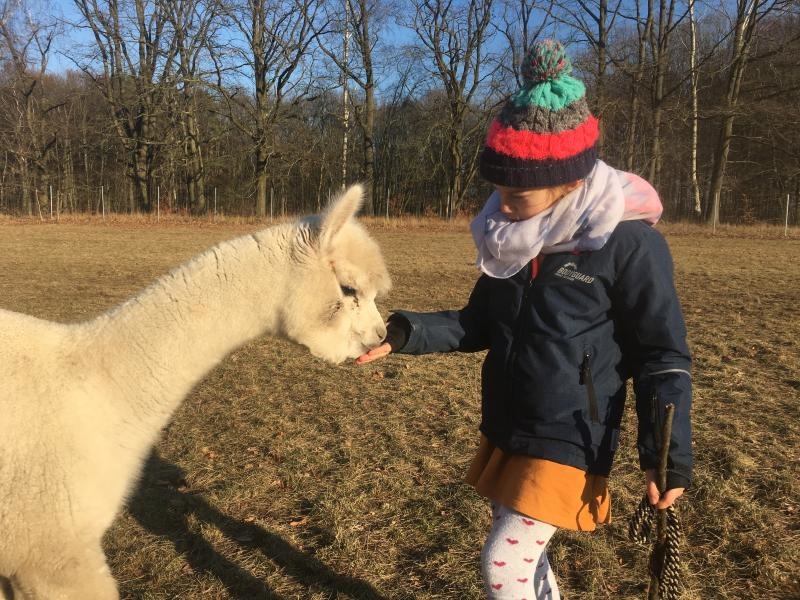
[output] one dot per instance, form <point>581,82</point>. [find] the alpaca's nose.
<point>380,332</point>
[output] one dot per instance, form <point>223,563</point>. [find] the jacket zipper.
<point>586,379</point>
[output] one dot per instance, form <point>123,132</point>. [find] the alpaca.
<point>82,404</point>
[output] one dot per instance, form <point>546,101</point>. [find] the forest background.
<point>265,107</point>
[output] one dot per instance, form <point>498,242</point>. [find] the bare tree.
<point>136,58</point>
<point>644,27</point>
<point>523,21</point>
<point>26,42</point>
<point>454,36</point>
<point>695,112</point>
<point>277,36</point>
<point>661,37</point>
<point>398,133</point>
<point>193,23</point>
<point>745,23</point>
<point>345,93</point>
<point>594,20</point>
<point>217,94</point>
<point>363,22</point>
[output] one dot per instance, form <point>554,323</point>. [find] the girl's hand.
<point>660,501</point>
<point>374,354</point>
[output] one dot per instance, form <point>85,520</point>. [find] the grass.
<point>283,477</point>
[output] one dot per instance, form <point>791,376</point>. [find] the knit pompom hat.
<point>545,135</point>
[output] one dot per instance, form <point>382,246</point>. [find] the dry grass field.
<point>282,477</point>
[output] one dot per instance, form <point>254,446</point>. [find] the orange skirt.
<point>544,490</point>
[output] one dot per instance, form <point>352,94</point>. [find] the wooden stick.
<point>657,558</point>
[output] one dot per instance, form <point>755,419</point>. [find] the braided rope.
<point>665,563</point>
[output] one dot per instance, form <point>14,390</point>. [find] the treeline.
<point>267,106</point>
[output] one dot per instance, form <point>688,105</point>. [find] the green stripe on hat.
<point>552,95</point>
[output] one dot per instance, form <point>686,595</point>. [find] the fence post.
<point>103,202</point>
<point>51,202</point>
<point>215,201</point>
<point>158,204</point>
<point>786,221</point>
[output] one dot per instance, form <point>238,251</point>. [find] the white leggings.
<point>514,558</point>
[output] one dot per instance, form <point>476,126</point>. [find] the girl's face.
<point>519,204</point>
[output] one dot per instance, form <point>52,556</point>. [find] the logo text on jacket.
<point>570,271</point>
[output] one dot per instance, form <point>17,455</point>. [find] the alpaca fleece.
<point>82,404</point>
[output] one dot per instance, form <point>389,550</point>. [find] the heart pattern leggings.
<point>514,558</point>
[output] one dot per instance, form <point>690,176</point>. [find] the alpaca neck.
<point>159,344</point>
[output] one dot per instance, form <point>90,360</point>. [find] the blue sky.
<point>71,40</point>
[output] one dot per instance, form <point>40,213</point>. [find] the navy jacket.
<point>564,335</point>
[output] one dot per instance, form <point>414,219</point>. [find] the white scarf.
<point>582,220</point>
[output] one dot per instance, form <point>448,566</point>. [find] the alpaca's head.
<point>337,272</point>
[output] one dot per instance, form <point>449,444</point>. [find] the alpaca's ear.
<point>339,211</point>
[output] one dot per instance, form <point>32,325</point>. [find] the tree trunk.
<point>661,49</point>
<point>140,199</point>
<point>745,27</point>
<point>196,174</point>
<point>695,115</point>
<point>718,168</point>
<point>655,152</point>
<point>345,97</point>
<point>602,39</point>
<point>638,75</point>
<point>369,149</point>
<point>456,164</point>
<point>27,205</point>
<point>365,45</point>
<point>42,199</point>
<point>261,181</point>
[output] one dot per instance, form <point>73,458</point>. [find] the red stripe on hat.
<point>528,145</point>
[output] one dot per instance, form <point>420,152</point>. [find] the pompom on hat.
<point>545,135</point>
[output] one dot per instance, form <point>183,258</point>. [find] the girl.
<point>576,296</point>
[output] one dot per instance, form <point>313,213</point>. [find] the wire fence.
<point>113,198</point>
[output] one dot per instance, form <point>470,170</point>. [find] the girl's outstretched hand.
<point>374,354</point>
<point>664,500</point>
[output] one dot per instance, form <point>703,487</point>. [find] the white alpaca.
<point>81,405</point>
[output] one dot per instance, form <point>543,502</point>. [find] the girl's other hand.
<point>374,354</point>
<point>664,500</point>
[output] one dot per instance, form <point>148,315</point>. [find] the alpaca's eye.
<point>348,291</point>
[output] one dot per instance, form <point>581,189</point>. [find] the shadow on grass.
<point>162,508</point>
<point>6,593</point>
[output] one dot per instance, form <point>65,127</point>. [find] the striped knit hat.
<point>545,135</point>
